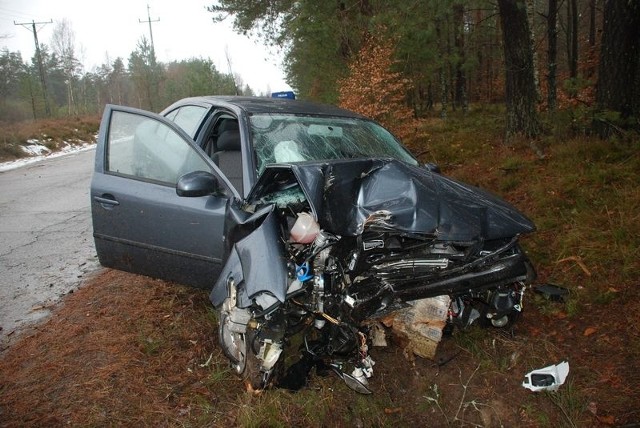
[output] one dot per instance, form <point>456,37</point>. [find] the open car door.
<point>140,224</point>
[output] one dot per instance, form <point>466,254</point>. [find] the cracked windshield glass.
<point>292,139</point>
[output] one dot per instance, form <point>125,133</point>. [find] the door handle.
<point>107,201</point>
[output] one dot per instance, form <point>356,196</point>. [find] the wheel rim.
<point>233,344</point>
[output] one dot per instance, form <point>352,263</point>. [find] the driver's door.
<point>140,224</point>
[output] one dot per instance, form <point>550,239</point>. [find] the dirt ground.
<point>133,351</point>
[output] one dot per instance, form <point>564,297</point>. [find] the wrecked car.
<point>305,221</point>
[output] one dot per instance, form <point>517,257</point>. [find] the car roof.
<point>253,105</point>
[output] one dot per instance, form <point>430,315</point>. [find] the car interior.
<point>224,148</point>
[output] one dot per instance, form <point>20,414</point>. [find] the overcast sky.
<point>111,27</point>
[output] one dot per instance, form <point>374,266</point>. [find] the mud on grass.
<point>129,350</point>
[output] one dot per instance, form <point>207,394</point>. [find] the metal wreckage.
<point>320,249</point>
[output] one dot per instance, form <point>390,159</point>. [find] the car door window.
<point>188,118</point>
<point>147,149</point>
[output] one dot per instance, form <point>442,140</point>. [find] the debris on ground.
<point>548,378</point>
<point>419,327</point>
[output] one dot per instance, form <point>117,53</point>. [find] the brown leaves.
<point>375,90</point>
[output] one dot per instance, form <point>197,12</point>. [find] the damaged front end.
<point>322,248</point>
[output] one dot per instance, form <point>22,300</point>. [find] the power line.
<point>153,50</point>
<point>43,81</point>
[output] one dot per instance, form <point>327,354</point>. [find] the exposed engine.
<point>334,284</point>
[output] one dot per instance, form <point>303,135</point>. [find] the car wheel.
<point>253,374</point>
<point>233,343</point>
<point>242,351</point>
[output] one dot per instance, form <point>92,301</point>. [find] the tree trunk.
<point>591,69</point>
<point>430,97</point>
<point>573,67</point>
<point>69,98</point>
<point>531,13</point>
<point>33,100</point>
<point>592,23</point>
<point>552,54</point>
<point>618,86</point>
<point>494,57</point>
<point>345,42</point>
<point>522,116</point>
<point>442,74</point>
<point>461,77</point>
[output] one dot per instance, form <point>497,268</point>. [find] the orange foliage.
<point>374,90</point>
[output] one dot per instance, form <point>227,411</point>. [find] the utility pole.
<point>43,81</point>
<point>153,50</point>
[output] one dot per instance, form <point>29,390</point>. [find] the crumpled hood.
<point>346,195</point>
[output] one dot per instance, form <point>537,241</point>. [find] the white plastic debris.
<point>548,378</point>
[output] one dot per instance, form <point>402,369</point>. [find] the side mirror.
<point>548,378</point>
<point>197,183</point>
<point>433,167</point>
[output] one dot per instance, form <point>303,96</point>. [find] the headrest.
<point>228,125</point>
<point>229,141</point>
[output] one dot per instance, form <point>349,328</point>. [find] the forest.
<point>445,55</point>
<point>394,61</point>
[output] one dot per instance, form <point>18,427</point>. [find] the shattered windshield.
<point>281,138</point>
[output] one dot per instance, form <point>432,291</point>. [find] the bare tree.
<point>227,56</point>
<point>63,44</point>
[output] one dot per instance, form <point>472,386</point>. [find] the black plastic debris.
<point>552,292</point>
<point>298,373</point>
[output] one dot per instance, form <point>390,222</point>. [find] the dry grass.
<point>126,349</point>
<point>129,350</point>
<point>52,133</point>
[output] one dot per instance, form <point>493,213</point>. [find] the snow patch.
<point>37,152</point>
<point>34,148</point>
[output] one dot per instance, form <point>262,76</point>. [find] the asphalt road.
<point>46,243</point>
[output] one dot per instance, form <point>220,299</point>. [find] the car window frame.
<point>174,114</point>
<point>101,162</point>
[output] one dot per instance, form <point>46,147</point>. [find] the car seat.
<point>228,154</point>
